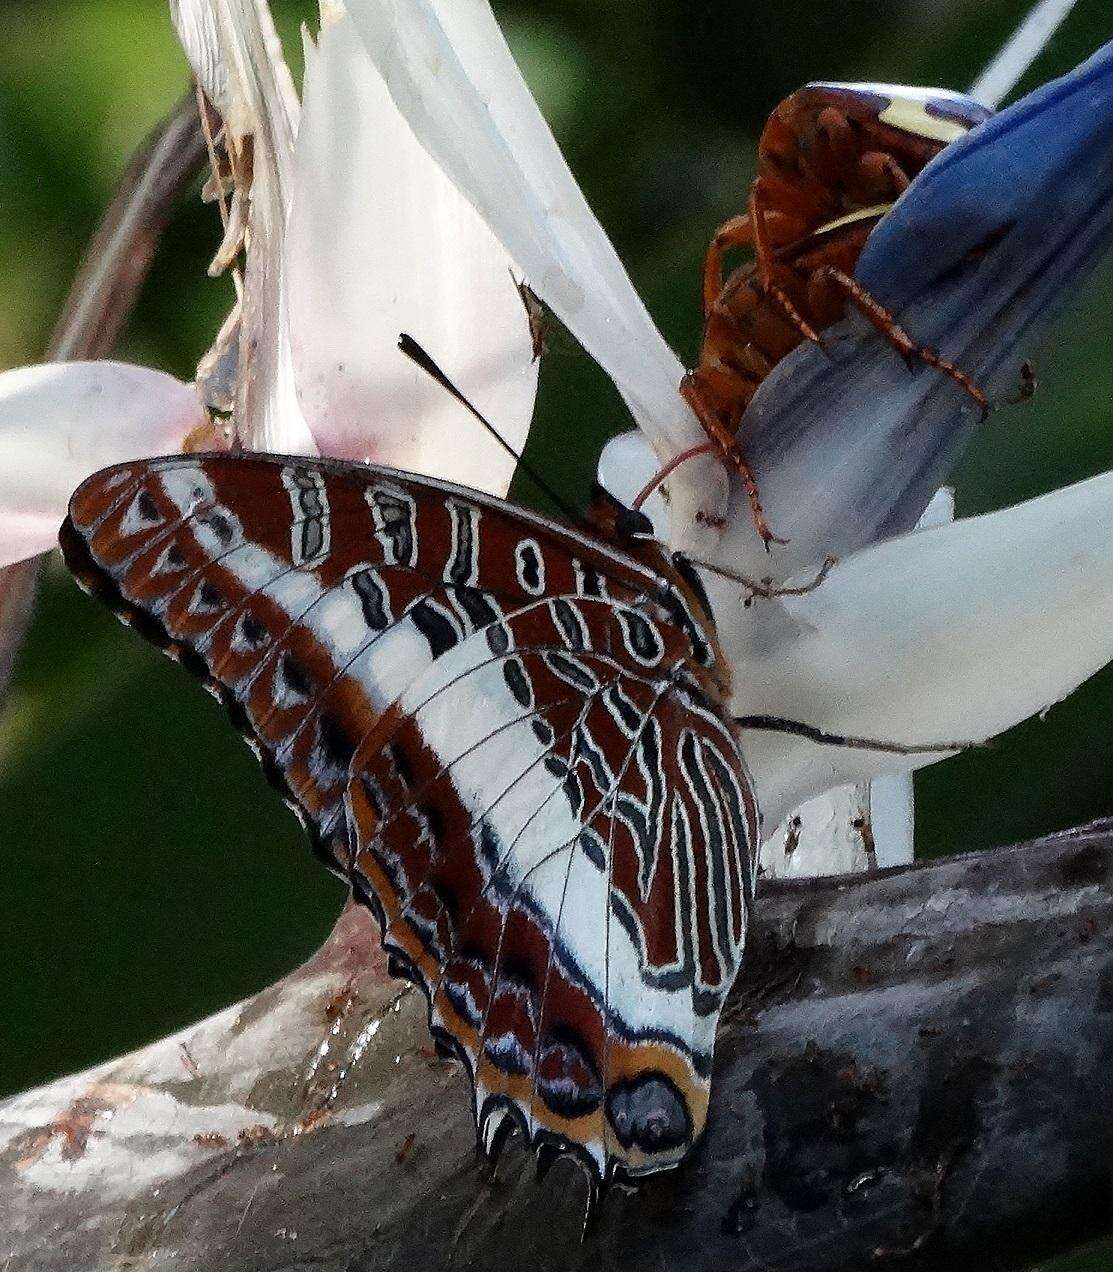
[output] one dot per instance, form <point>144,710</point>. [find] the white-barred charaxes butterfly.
<point>506,734</point>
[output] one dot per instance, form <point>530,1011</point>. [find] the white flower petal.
<point>453,77</point>
<point>62,421</point>
<point>948,634</point>
<point>852,828</point>
<point>196,24</point>
<point>381,242</point>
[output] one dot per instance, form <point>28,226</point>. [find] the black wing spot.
<point>253,631</point>
<point>624,709</point>
<point>210,596</point>
<point>591,584</point>
<point>556,766</point>
<point>435,627</point>
<point>297,679</point>
<point>571,672</point>
<point>368,588</point>
<point>570,625</point>
<point>591,845</point>
<point>518,682</point>
<point>402,766</point>
<point>373,793</point>
<point>479,609</point>
<point>219,524</point>
<point>641,637</point>
<point>147,507</point>
<point>498,640</point>
<point>337,747</point>
<point>434,822</point>
<point>648,1112</point>
<point>527,559</point>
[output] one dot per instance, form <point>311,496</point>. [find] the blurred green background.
<point>147,873</point>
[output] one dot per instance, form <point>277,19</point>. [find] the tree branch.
<point>914,1070</point>
<point>101,299</point>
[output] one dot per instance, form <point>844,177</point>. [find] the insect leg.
<point>725,440</point>
<point>737,232</point>
<point>763,254</point>
<point>883,321</point>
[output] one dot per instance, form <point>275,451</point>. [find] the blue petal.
<point>1028,168</point>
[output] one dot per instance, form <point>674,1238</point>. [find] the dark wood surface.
<point>915,1070</point>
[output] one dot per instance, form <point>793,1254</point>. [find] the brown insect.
<point>832,160</point>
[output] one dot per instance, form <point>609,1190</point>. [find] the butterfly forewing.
<point>506,734</point>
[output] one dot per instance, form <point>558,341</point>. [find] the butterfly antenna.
<point>416,354</point>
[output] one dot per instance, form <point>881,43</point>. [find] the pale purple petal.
<point>453,78</point>
<point>380,242</point>
<point>62,421</point>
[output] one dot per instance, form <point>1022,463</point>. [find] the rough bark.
<point>914,1071</point>
<point>101,299</point>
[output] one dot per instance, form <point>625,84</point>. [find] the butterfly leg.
<point>883,322</point>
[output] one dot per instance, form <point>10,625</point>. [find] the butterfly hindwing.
<point>506,734</point>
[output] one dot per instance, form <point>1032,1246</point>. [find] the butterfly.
<point>506,734</point>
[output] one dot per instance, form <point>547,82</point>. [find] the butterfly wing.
<point>505,734</point>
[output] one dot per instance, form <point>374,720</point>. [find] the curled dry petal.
<point>380,242</point>
<point>63,421</point>
<point>198,30</point>
<point>235,53</point>
<point>939,636</point>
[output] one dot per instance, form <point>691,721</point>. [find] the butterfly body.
<point>507,736</point>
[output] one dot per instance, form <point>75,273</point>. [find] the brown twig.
<point>102,298</point>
